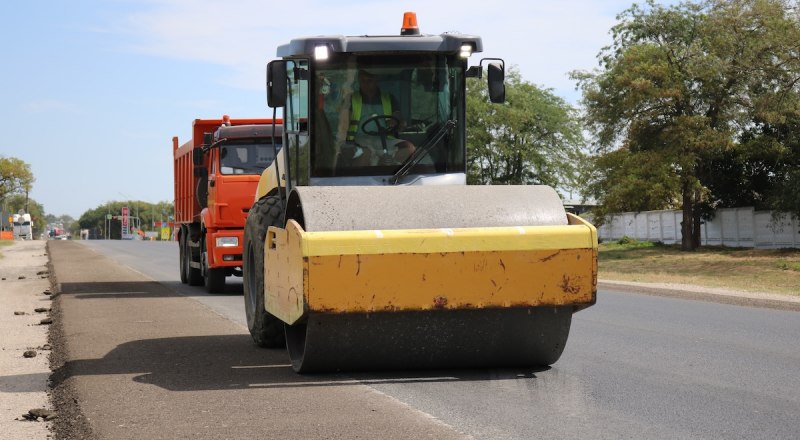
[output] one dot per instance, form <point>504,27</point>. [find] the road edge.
<point>71,422</point>
<point>717,295</point>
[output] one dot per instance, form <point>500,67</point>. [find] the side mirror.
<point>497,89</point>
<point>276,83</point>
<point>197,156</point>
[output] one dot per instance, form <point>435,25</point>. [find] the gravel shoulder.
<point>24,368</point>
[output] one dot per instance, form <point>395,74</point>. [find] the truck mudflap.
<point>428,269</point>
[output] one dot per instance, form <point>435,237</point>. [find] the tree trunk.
<point>696,220</point>
<point>688,219</point>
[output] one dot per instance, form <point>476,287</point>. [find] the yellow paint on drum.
<point>446,240</point>
<point>449,280</point>
<point>404,270</point>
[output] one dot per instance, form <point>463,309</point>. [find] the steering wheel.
<point>380,130</point>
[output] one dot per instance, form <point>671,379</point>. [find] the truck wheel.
<point>182,259</point>
<point>266,329</point>
<point>194,276</point>
<point>214,278</point>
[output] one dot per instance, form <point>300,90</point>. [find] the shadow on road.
<point>141,289</point>
<point>115,289</point>
<point>233,362</point>
<point>207,362</point>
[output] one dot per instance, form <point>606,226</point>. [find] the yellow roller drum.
<point>474,260</point>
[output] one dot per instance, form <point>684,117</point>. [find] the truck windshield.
<point>372,112</point>
<point>246,157</point>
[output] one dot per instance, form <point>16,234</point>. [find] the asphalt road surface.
<point>152,358</point>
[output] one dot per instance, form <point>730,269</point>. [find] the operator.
<point>370,102</point>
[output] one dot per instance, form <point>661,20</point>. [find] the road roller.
<point>365,249</point>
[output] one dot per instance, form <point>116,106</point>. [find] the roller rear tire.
<point>266,329</point>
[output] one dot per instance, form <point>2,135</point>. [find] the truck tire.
<point>214,279</point>
<point>182,258</point>
<point>194,276</point>
<point>266,329</point>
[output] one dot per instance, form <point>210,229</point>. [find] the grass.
<point>758,270</point>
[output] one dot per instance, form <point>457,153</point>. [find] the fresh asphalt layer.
<point>144,362</point>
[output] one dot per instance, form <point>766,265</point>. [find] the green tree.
<point>534,138</point>
<point>96,220</point>
<point>772,142</point>
<point>676,92</point>
<point>15,177</point>
<point>640,182</point>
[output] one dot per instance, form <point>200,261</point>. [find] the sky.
<point>94,90</point>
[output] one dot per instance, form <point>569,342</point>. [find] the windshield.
<point>377,111</point>
<point>250,157</point>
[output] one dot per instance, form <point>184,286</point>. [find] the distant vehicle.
<point>22,227</point>
<point>58,233</point>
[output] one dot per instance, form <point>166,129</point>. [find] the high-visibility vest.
<point>357,104</point>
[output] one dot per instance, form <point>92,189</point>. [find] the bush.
<point>627,240</point>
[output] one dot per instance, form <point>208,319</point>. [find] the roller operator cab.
<point>365,248</point>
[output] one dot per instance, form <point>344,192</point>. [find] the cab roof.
<point>250,131</point>
<point>447,43</point>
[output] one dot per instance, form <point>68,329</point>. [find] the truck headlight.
<point>227,241</point>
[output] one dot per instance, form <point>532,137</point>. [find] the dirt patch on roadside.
<point>25,411</point>
<point>751,270</point>
<point>71,423</point>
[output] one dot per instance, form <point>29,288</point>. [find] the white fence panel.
<point>730,230</point>
<point>641,225</point>
<point>745,220</point>
<point>629,224</point>
<point>734,227</point>
<point>711,234</point>
<point>669,227</point>
<point>654,226</point>
<point>779,231</point>
<point>763,228</point>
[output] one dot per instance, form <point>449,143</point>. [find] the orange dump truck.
<point>216,173</point>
